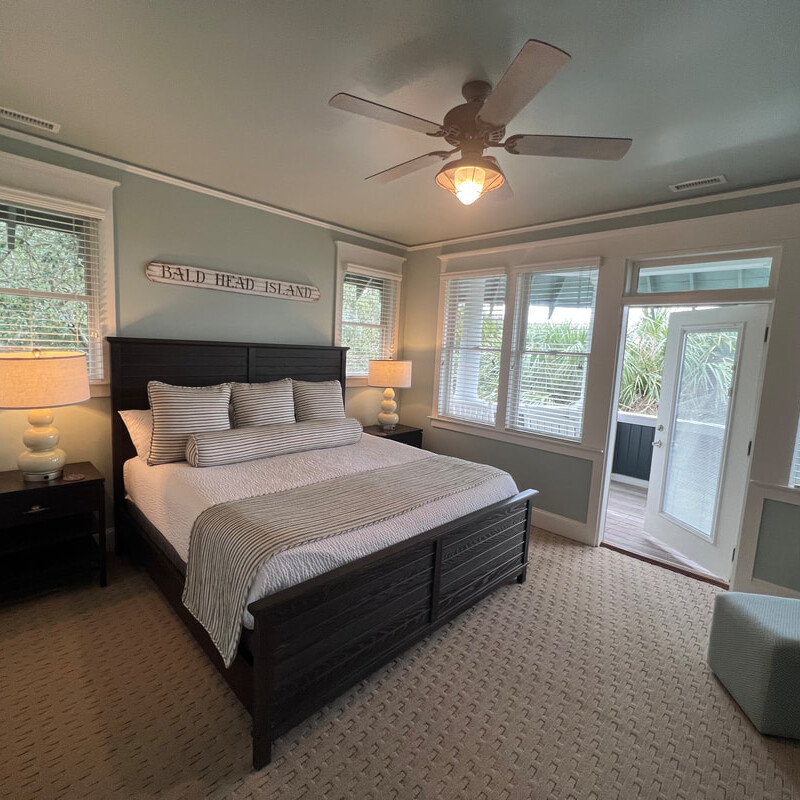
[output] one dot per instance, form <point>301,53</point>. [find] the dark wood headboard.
<point>134,362</point>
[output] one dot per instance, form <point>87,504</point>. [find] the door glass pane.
<point>697,446</point>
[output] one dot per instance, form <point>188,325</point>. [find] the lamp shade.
<point>394,374</point>
<point>43,379</point>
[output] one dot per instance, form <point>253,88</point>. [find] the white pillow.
<point>140,429</point>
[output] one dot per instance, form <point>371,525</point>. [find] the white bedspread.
<point>172,496</point>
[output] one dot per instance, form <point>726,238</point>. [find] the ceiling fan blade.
<point>534,67</point>
<point>357,105</point>
<point>597,147</point>
<point>407,167</point>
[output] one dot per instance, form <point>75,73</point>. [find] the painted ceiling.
<point>234,95</point>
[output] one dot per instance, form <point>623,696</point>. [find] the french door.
<point>707,412</point>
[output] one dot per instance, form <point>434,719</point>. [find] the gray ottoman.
<point>754,650</point>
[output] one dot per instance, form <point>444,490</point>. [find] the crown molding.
<point>134,169</point>
<point>193,186</point>
<point>626,212</point>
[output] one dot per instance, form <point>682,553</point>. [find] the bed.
<point>304,645</point>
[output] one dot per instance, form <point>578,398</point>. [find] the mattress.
<point>172,496</point>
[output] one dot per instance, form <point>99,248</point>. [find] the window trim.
<point>371,263</point>
<point>500,430</point>
<point>34,183</point>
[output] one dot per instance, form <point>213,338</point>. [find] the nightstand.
<point>401,433</point>
<point>51,532</point>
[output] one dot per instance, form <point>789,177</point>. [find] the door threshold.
<point>666,565</point>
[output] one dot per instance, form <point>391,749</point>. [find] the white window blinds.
<point>50,282</point>
<point>369,318</point>
<point>472,338</point>
<point>794,477</point>
<point>551,346</point>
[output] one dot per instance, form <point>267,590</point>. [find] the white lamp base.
<point>387,416</point>
<point>42,461</point>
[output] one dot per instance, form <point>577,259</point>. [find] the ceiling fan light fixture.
<point>471,178</point>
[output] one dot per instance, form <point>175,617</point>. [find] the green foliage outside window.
<point>366,324</point>
<point>42,260</point>
<point>707,363</point>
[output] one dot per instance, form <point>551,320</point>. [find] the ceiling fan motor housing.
<point>461,125</point>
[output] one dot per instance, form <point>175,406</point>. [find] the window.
<point>794,477</point>
<point>56,260</point>
<point>552,343</point>
<point>472,337</point>
<point>367,306</point>
<point>369,318</point>
<point>534,380</point>
<point>49,282</point>
<point>699,274</point>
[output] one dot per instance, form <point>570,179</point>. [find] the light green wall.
<point>157,221</point>
<point>778,553</point>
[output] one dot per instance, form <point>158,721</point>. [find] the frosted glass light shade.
<point>43,379</point>
<point>394,374</point>
<point>471,177</point>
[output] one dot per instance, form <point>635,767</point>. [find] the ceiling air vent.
<point>19,118</point>
<point>698,183</point>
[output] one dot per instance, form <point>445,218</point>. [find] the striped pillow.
<point>247,444</point>
<point>317,400</point>
<point>262,403</point>
<point>179,411</point>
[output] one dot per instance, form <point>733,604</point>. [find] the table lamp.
<point>41,380</point>
<point>392,375</point>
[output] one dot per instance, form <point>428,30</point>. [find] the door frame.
<point>690,301</point>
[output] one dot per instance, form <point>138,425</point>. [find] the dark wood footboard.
<point>314,640</point>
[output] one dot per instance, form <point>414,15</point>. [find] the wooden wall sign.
<point>202,278</point>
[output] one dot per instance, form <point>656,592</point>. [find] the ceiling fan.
<point>480,123</point>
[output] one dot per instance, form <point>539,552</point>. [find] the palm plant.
<point>708,360</point>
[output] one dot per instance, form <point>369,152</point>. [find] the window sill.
<point>100,389</point>
<point>354,381</point>
<point>532,440</point>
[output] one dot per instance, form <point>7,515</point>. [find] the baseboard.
<point>563,526</point>
<point>630,481</point>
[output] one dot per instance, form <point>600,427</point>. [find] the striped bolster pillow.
<point>317,400</point>
<point>179,411</point>
<point>246,444</point>
<point>262,403</point>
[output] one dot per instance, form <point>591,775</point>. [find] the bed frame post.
<point>262,694</point>
<point>523,576</point>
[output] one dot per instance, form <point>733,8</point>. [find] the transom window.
<point>701,274</point>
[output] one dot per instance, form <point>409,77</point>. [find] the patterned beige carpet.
<point>587,682</point>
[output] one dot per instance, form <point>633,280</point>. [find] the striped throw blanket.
<point>231,541</point>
